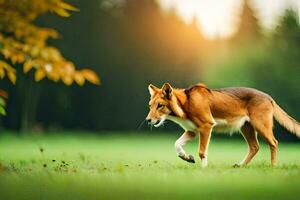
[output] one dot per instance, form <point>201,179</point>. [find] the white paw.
<point>204,163</point>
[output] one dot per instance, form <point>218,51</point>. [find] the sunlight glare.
<point>220,18</point>
<point>214,18</point>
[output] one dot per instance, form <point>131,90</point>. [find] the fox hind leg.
<point>272,142</point>
<point>204,139</point>
<point>250,137</point>
<point>263,124</point>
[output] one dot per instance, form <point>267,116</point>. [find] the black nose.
<point>148,120</point>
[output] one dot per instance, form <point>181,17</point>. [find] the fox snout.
<point>152,121</point>
<point>155,122</point>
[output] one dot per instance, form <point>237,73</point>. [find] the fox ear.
<point>167,90</point>
<point>152,89</point>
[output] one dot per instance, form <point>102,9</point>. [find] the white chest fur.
<point>221,125</point>
<point>186,124</point>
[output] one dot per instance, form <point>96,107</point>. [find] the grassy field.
<point>140,166</point>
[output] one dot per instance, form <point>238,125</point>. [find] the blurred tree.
<point>271,66</point>
<point>283,53</point>
<point>144,45</point>
<point>22,43</point>
<point>286,36</point>
<point>140,44</point>
<point>249,28</point>
<point>279,69</point>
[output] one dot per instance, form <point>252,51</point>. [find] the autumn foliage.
<point>22,43</point>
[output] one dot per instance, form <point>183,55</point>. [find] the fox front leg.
<point>186,136</point>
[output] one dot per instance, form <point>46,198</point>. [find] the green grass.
<point>140,166</point>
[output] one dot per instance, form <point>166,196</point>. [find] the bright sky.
<point>219,17</point>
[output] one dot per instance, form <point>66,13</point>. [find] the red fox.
<point>199,109</point>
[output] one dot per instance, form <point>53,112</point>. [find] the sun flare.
<point>219,18</point>
<point>213,18</point>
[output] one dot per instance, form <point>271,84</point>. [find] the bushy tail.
<point>286,121</point>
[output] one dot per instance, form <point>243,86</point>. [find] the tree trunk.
<point>30,97</point>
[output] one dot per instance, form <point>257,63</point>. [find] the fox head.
<point>163,102</point>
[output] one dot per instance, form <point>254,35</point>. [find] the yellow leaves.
<point>45,55</point>
<point>27,66</point>
<point>12,77</point>
<point>2,67</point>
<point>62,70</point>
<point>39,74</point>
<point>52,72</point>
<point>6,53</point>
<point>79,79</point>
<point>69,75</point>
<point>67,80</point>
<point>68,69</point>
<point>14,59</point>
<point>11,72</point>
<point>17,58</point>
<point>91,76</point>
<point>2,73</point>
<point>67,6</point>
<point>61,12</point>
<point>62,9</point>
<point>34,52</point>
<point>25,43</point>
<point>55,54</point>
<point>50,32</point>
<point>47,61</point>
<point>13,54</point>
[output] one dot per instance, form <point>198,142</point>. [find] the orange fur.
<point>200,109</point>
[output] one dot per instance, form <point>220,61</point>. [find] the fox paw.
<point>188,158</point>
<point>236,166</point>
<point>191,159</point>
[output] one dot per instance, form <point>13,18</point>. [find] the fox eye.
<point>160,105</point>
